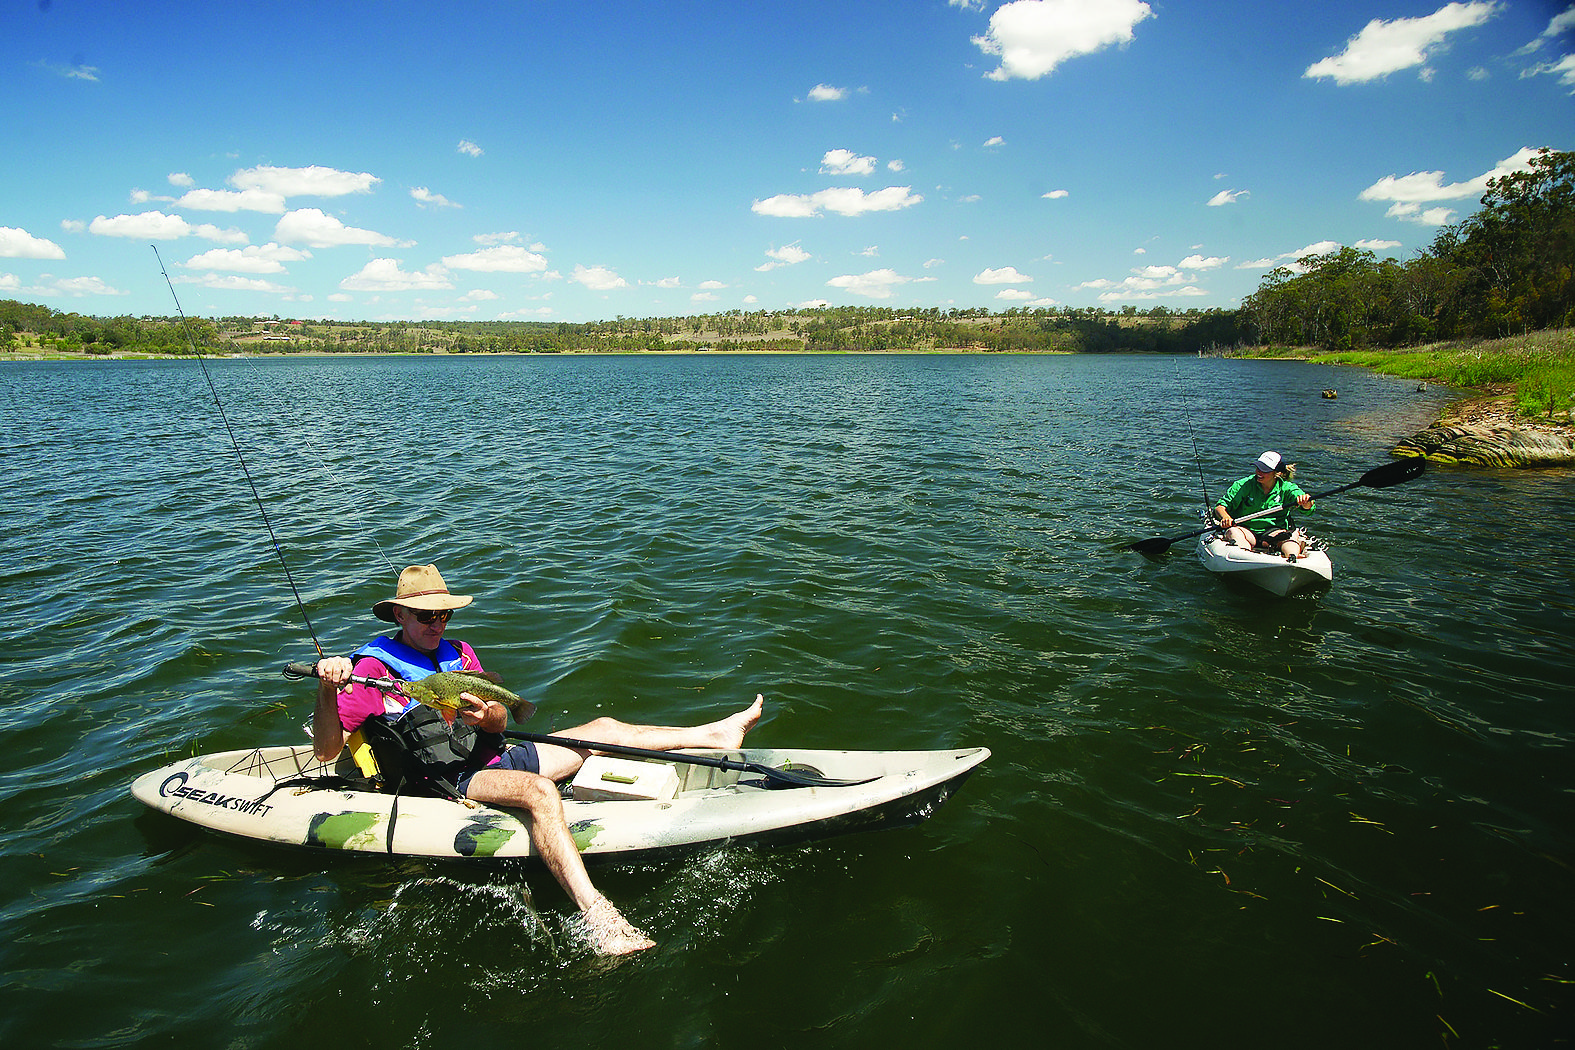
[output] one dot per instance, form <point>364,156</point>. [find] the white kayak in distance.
<point>1275,573</point>
<point>282,794</point>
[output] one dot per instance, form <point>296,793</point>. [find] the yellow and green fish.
<point>441,690</point>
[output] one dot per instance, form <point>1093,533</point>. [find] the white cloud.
<point>1055,195</point>
<point>503,258</point>
<point>313,181</point>
<point>79,286</point>
<point>76,71</point>
<point>424,196</point>
<point>262,258</point>
<point>9,282</point>
<point>385,275</point>
<point>1014,294</point>
<point>877,284</point>
<point>827,93</point>
<point>846,162</point>
<point>1564,68</point>
<point>1224,197</point>
<point>1409,193</point>
<point>872,252</point>
<point>313,227</point>
<point>894,165</point>
<point>469,148</point>
<point>1383,47</point>
<point>231,283</point>
<point>209,232</point>
<point>150,225</point>
<point>507,237</point>
<point>1004,275</point>
<point>180,178</point>
<point>787,255</point>
<point>842,200</point>
<point>232,201</point>
<point>1032,37</point>
<point>1147,282</point>
<point>598,278</point>
<point>1198,262</point>
<point>1314,249</point>
<point>702,297</point>
<point>1558,25</point>
<point>669,282</point>
<point>1376,246</point>
<point>712,286</point>
<point>19,244</point>
<point>993,141</point>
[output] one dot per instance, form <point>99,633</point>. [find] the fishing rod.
<point>192,345</point>
<point>1193,431</point>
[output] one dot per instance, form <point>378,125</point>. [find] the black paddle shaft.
<point>1401,470</point>
<point>786,777</point>
<point>790,777</point>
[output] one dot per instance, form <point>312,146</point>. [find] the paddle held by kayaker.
<point>465,755</point>
<point>1270,486</point>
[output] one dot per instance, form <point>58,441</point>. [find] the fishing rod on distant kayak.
<point>192,345</point>
<point>1395,473</point>
<point>1197,456</point>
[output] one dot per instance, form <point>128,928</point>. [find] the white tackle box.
<point>603,778</point>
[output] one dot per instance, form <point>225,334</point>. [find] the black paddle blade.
<point>800,776</point>
<point>1398,472</point>
<point>1153,545</point>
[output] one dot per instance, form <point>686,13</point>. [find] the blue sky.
<point>543,160</point>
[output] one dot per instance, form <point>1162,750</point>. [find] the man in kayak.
<point>1269,487</point>
<point>471,753</point>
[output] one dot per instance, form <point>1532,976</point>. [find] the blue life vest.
<point>416,748</point>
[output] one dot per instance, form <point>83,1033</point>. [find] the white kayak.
<point>1273,572</point>
<point>236,792</point>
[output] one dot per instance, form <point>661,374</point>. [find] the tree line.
<point>828,329</point>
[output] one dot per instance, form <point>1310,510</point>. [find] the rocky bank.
<point>1486,433</point>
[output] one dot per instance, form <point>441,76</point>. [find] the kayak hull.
<point>234,792</point>
<point>1271,572</point>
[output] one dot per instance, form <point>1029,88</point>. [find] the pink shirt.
<point>359,702</point>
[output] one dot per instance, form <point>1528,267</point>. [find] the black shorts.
<point>1275,538</point>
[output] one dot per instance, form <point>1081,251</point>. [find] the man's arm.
<point>328,734</point>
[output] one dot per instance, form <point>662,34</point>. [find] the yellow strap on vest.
<point>361,751</point>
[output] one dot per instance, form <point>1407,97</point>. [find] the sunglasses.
<point>428,615</point>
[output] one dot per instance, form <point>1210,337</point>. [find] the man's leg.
<point>560,763</point>
<point>549,833</point>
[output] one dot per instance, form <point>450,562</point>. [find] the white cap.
<point>1268,463</point>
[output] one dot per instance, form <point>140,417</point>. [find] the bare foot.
<point>611,933</point>
<point>729,732</point>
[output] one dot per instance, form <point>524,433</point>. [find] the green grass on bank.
<point>1538,367</point>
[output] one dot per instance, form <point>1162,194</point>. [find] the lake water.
<point>1212,818</point>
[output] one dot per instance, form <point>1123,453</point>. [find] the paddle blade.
<point>1398,472</point>
<point>1153,545</point>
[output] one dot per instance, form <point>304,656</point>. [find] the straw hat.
<point>420,587</point>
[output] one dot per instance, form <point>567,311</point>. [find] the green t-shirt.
<point>1247,497</point>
